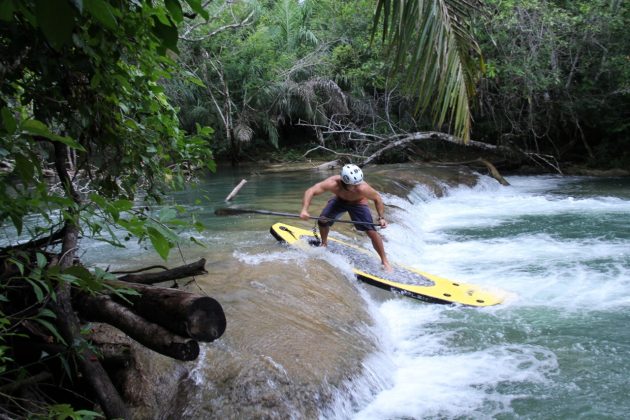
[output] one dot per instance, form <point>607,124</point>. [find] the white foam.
<point>426,369</point>
<point>433,378</point>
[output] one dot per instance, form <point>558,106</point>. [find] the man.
<point>351,195</point>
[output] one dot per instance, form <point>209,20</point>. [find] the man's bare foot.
<point>324,244</point>
<point>388,268</point>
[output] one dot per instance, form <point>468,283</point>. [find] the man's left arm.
<point>373,195</point>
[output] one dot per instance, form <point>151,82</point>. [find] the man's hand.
<point>304,215</point>
<point>382,222</point>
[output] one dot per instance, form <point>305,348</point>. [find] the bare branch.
<point>240,24</point>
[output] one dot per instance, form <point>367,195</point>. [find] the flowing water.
<point>306,340</point>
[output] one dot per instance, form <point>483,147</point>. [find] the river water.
<point>306,340</point>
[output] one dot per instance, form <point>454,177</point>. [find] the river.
<point>306,340</point>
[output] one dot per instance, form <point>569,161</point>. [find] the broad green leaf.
<point>123,205</point>
<point>167,214</point>
<point>79,272</point>
<point>196,241</point>
<point>17,221</point>
<point>56,20</point>
<point>39,293</point>
<point>167,34</point>
<point>48,313</point>
<point>98,200</point>
<point>198,8</point>
<point>175,9</point>
<point>38,128</point>
<point>25,168</point>
<point>6,10</point>
<point>68,278</point>
<point>50,327</point>
<point>191,77</point>
<point>102,12</point>
<point>41,260</point>
<point>8,122</point>
<point>159,242</point>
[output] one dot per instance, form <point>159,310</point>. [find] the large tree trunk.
<point>108,397</point>
<point>184,313</point>
<point>102,308</point>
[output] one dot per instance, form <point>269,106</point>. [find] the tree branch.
<point>193,269</point>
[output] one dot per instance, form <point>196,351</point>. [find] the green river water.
<point>306,340</point>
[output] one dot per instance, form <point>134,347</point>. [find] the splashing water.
<point>555,349</point>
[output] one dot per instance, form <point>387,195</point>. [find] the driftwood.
<point>494,172</point>
<point>383,143</point>
<point>186,314</point>
<point>188,270</point>
<point>329,166</point>
<point>102,308</point>
<point>236,190</point>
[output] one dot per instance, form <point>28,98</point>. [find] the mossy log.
<point>184,313</point>
<point>102,308</point>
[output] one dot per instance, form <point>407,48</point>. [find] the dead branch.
<point>193,269</point>
<point>235,25</point>
<point>151,267</point>
<point>235,190</point>
<point>54,238</point>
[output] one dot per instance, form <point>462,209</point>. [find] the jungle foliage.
<point>286,73</point>
<point>85,126</point>
<point>557,79</point>
<point>275,72</point>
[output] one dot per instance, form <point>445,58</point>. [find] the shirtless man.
<point>351,195</point>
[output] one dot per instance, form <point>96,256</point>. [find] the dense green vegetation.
<point>557,79</point>
<point>294,75</point>
<point>103,101</point>
<point>80,100</point>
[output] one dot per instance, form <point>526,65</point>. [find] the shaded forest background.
<point>106,105</point>
<point>284,76</point>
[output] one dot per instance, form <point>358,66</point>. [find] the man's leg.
<point>377,243</point>
<point>323,233</point>
<point>330,212</point>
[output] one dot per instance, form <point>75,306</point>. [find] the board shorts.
<point>358,213</point>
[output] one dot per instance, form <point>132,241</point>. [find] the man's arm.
<point>371,194</point>
<point>317,189</point>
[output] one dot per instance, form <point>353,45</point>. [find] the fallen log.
<point>184,313</point>
<point>494,172</point>
<point>102,308</point>
<point>193,269</point>
<point>235,190</point>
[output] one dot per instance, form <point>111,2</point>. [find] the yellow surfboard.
<point>406,281</point>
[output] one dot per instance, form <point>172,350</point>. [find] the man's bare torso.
<point>353,194</point>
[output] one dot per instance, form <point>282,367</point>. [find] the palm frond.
<point>435,50</point>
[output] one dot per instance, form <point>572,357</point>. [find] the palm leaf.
<point>439,58</point>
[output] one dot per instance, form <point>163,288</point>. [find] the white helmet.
<point>351,174</point>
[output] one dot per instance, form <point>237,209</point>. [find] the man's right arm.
<point>316,189</point>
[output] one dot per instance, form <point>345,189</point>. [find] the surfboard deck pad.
<point>403,280</point>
